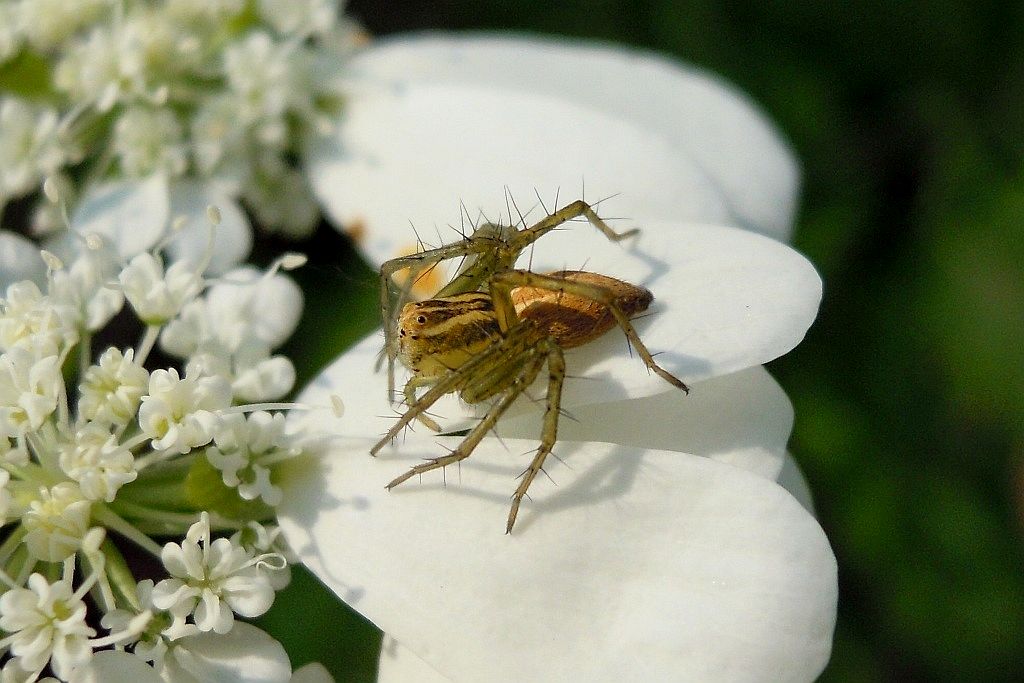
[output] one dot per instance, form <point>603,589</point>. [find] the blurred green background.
<point>909,391</point>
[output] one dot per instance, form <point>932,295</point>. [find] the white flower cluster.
<point>226,92</point>
<point>141,452</point>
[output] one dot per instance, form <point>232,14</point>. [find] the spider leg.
<point>475,386</point>
<point>410,399</point>
<point>534,361</point>
<point>549,432</point>
<point>502,285</point>
<point>574,210</point>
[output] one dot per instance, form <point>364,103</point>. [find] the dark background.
<point>909,390</point>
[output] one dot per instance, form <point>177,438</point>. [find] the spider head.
<point>437,335</point>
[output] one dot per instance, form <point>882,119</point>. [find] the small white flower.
<point>231,330</point>
<point>30,146</point>
<point>155,295</point>
<point>212,579</point>
<point>281,199</point>
<point>246,450</point>
<point>268,78</point>
<point>56,522</point>
<point>112,389</point>
<point>219,145</point>
<point>148,140</point>
<point>260,377</point>
<point>11,35</point>
<point>47,624</point>
<point>299,17</point>
<point>85,287</point>
<point>179,414</point>
<point>105,67</point>
<point>30,387</point>
<point>97,462</point>
<point>32,320</point>
<point>258,539</point>
<point>204,12</point>
<point>46,23</point>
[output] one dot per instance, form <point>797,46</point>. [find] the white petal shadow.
<point>232,238</point>
<point>411,155</point>
<point>19,260</point>
<point>638,565</point>
<point>132,214</point>
<point>399,664</point>
<point>699,114</point>
<point>743,419</point>
<point>245,654</point>
<point>114,666</point>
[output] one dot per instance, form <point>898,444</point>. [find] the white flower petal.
<point>412,154</point>
<point>699,114</point>
<point>314,672</point>
<point>271,307</point>
<point>793,480</point>
<point>725,300</point>
<point>743,419</point>
<point>246,654</point>
<point>637,565</point>
<point>132,214</point>
<point>19,260</point>
<point>113,666</point>
<point>232,237</point>
<point>399,664</point>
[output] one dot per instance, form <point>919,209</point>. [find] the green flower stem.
<point>11,544</point>
<point>110,519</point>
<point>148,513</point>
<point>84,353</point>
<point>120,576</point>
<point>147,342</point>
<point>168,496</point>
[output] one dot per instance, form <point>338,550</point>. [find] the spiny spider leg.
<point>549,432</point>
<point>411,386</point>
<point>578,208</point>
<point>502,285</point>
<point>512,346</point>
<point>465,448</point>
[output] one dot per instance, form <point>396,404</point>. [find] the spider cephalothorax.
<point>488,333</point>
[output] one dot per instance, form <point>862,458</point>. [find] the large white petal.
<point>19,260</point>
<point>743,419</point>
<point>245,654</point>
<point>399,664</point>
<point>638,565</point>
<point>793,480</point>
<point>410,155</point>
<point>113,666</point>
<point>232,238</point>
<point>725,300</point>
<point>314,672</point>
<point>132,214</point>
<point>700,115</point>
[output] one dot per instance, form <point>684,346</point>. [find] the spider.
<point>490,330</point>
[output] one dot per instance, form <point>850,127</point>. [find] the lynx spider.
<point>489,331</point>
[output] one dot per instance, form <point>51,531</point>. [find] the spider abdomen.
<point>573,320</point>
